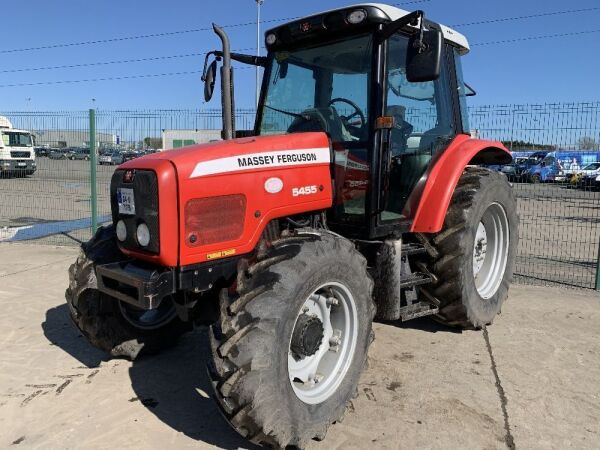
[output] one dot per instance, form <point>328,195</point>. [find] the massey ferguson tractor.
<point>358,195</point>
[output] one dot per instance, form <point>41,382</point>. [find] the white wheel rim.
<point>315,378</point>
<point>490,250</point>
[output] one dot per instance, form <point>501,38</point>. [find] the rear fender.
<point>429,202</point>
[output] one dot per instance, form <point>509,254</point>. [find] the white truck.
<point>16,150</point>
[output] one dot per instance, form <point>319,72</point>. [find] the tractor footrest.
<point>413,249</point>
<point>415,279</point>
<point>416,310</point>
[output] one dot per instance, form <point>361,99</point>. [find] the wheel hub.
<point>323,343</point>
<point>490,250</point>
<point>480,249</point>
<point>307,337</point>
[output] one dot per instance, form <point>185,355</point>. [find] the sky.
<point>562,69</point>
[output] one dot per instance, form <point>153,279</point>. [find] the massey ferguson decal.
<point>252,161</point>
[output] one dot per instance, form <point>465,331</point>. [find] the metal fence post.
<point>598,269</point>
<point>93,187</point>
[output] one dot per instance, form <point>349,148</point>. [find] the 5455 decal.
<point>304,190</point>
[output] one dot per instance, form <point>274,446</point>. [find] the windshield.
<point>16,139</point>
<point>534,160</point>
<point>324,88</point>
<point>593,166</point>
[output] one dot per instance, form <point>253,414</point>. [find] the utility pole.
<point>258,5</point>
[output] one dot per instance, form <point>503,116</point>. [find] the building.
<point>183,138</point>
<point>72,138</point>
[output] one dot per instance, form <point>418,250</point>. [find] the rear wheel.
<point>473,257</point>
<point>113,326</point>
<point>292,339</point>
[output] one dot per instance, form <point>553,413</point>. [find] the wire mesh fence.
<point>555,147</point>
<point>555,174</point>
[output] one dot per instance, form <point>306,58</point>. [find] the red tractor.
<point>358,195</point>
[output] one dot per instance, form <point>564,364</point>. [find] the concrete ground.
<point>533,382</point>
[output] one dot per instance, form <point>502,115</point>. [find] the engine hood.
<point>244,154</point>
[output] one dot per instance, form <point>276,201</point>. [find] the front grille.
<point>145,192</point>
<point>20,154</point>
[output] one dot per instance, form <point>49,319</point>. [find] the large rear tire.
<point>473,257</point>
<point>109,324</point>
<point>280,378</point>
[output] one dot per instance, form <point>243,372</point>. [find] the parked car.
<point>111,158</point>
<point>42,151</point>
<point>58,153</point>
<point>514,171</point>
<point>128,156</point>
<point>82,154</point>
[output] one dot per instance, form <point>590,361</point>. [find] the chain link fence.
<point>553,145</point>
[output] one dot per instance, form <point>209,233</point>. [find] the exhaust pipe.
<point>226,86</point>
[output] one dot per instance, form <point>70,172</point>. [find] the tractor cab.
<point>385,85</point>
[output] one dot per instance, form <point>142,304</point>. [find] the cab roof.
<point>393,13</point>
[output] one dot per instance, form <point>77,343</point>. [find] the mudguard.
<point>428,204</point>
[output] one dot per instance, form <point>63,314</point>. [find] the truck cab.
<point>17,155</point>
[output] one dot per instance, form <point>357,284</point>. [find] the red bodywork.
<point>224,205</point>
<point>429,201</point>
<point>213,170</point>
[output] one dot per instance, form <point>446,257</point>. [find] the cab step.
<point>415,279</point>
<point>412,248</point>
<point>416,310</point>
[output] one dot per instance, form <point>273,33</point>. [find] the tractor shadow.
<point>175,387</point>
<point>424,324</point>
<point>172,385</point>
<point>60,331</point>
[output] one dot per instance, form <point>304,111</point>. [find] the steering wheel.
<point>357,112</point>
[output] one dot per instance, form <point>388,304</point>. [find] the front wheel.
<point>292,339</point>
<point>115,327</point>
<point>473,257</point>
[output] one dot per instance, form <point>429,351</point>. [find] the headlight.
<point>143,234</point>
<point>121,231</point>
<point>357,16</point>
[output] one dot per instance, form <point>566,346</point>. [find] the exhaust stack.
<point>226,86</point>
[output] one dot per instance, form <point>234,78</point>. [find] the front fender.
<point>428,204</point>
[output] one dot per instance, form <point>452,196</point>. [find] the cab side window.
<point>424,125</point>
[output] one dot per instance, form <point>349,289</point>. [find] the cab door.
<point>425,122</point>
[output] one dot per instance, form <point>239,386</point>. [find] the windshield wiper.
<point>304,117</point>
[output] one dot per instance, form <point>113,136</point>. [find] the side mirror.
<point>283,69</point>
<point>423,56</point>
<point>209,81</point>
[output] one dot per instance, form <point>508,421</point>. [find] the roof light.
<point>271,39</point>
<point>357,16</point>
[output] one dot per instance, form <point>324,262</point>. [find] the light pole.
<point>258,5</point>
